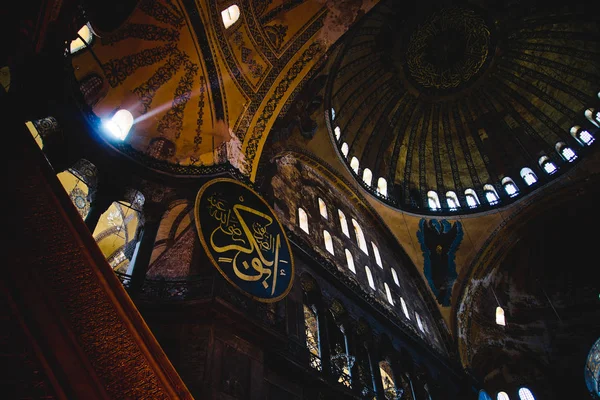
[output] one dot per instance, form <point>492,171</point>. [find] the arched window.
<point>367,176</point>
<point>388,293</point>
<point>528,176</point>
<point>354,165</point>
<point>337,132</point>
<point>230,15</point>
<point>84,32</point>
<point>322,208</point>
<point>525,394</point>
<point>404,308</point>
<point>500,320</point>
<point>490,194</point>
<point>395,277</point>
<point>566,152</point>
<point>503,396</point>
<point>360,237</point>
<point>303,220</point>
<point>344,223</point>
<point>547,165</point>
<point>328,242</point>
<point>332,113</point>
<point>452,201</point>
<point>119,124</point>
<point>582,136</point>
<point>419,322</point>
<point>377,256</point>
<point>382,186</point>
<point>593,116</point>
<point>370,277</point>
<point>472,200</point>
<point>433,201</point>
<point>350,261</point>
<point>311,330</point>
<point>387,380</point>
<point>345,149</point>
<point>510,187</point>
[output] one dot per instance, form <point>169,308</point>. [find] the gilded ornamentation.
<point>141,31</point>
<point>79,198</point>
<point>276,34</point>
<point>448,49</point>
<point>158,11</point>
<point>201,99</point>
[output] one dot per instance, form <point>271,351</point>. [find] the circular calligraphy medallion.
<point>244,240</point>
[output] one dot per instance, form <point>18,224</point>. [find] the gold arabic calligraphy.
<point>256,250</point>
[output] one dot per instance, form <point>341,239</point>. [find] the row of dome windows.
<point>360,238</point>
<point>583,137</point>
<point>524,394</point>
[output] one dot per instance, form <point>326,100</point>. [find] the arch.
<point>582,136</point>
<point>360,237</point>
<point>388,293</point>
<point>84,32</point>
<point>328,242</point>
<point>490,194</point>
<point>452,201</point>
<point>350,261</point>
<point>566,152</point>
<point>313,337</point>
<point>303,219</point>
<point>78,191</point>
<point>337,132</point>
<point>377,256</point>
<point>525,394</point>
<point>433,201</point>
<point>500,318</point>
<point>367,176</point>
<point>382,186</point>
<point>547,165</point>
<point>345,149</point>
<point>472,200</point>
<point>119,125</point>
<point>419,323</point>
<point>404,308</point>
<point>322,208</point>
<point>510,187</point>
<point>370,277</point>
<point>354,164</point>
<point>230,15</point>
<point>395,277</point>
<point>593,115</point>
<point>502,396</point>
<point>344,223</point>
<point>528,176</point>
<point>387,380</point>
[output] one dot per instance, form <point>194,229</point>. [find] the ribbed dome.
<point>456,97</point>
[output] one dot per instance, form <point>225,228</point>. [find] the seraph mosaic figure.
<point>439,243</point>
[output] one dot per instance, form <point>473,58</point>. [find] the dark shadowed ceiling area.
<point>447,97</point>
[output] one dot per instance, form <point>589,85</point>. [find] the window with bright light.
<point>303,220</point>
<point>328,242</point>
<point>337,132</point>
<point>433,201</point>
<point>395,277</point>
<point>472,200</point>
<point>367,176</point>
<point>582,136</point>
<point>547,165</point>
<point>370,277</point>
<point>388,293</point>
<point>345,149</point>
<point>525,394</point>
<point>344,223</point>
<point>490,194</point>
<point>387,380</point>
<point>332,113</point>
<point>354,164</point>
<point>119,124</point>
<point>382,186</point>
<point>419,323</point>
<point>311,331</point>
<point>500,320</point>
<point>230,15</point>
<point>86,33</point>
<point>360,237</point>
<point>350,261</point>
<point>404,308</point>
<point>503,396</point>
<point>377,256</point>
<point>593,116</point>
<point>528,176</point>
<point>566,152</point>
<point>322,208</point>
<point>510,187</point>
<point>452,201</point>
